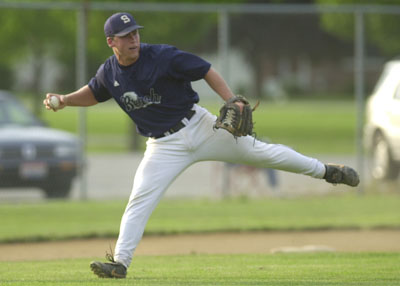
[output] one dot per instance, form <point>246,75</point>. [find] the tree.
<point>381,30</point>
<point>34,35</point>
<point>267,38</point>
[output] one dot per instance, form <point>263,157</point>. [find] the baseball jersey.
<point>156,90</point>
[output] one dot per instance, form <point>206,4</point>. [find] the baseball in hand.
<point>54,102</point>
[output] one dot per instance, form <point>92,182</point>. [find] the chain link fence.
<point>312,79</point>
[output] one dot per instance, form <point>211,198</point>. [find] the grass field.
<point>312,127</point>
<point>63,219</point>
<point>30,222</point>
<point>289,269</point>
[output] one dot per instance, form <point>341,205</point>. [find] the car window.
<point>381,80</point>
<point>2,113</point>
<point>11,112</point>
<point>397,92</point>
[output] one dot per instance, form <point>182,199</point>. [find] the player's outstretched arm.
<point>82,97</point>
<point>218,84</point>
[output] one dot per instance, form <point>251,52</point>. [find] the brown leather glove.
<point>238,123</point>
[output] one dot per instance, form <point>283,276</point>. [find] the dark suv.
<point>33,155</point>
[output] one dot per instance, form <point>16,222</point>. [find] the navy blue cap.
<point>120,24</point>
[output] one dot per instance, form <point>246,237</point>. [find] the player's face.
<point>126,48</point>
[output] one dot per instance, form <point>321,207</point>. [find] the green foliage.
<point>37,33</point>
<point>290,269</point>
<point>382,29</point>
<point>44,34</point>
<point>379,28</point>
<point>101,218</point>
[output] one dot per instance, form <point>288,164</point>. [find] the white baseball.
<point>54,102</point>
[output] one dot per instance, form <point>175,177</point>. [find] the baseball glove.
<point>231,119</point>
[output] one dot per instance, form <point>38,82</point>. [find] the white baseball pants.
<point>165,158</point>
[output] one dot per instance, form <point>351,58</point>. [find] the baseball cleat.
<point>340,174</point>
<point>108,270</point>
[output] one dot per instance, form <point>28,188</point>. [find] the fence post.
<point>359,90</point>
<point>81,67</point>
<point>223,58</point>
<point>223,43</point>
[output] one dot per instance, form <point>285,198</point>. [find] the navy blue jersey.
<point>156,90</point>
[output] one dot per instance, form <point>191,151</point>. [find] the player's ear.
<point>110,42</point>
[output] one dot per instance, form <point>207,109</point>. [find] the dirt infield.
<point>220,243</point>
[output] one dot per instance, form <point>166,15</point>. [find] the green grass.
<point>288,269</point>
<point>64,219</point>
<point>312,127</point>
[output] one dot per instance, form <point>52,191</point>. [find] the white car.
<point>382,128</point>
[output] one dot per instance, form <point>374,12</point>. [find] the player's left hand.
<point>236,117</point>
<point>241,105</point>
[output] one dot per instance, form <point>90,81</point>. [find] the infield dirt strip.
<point>216,243</point>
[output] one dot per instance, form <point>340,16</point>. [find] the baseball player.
<point>152,84</point>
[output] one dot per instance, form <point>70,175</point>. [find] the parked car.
<point>34,155</point>
<point>382,128</point>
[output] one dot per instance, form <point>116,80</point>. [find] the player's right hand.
<point>48,106</point>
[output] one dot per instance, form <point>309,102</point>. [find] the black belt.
<point>178,126</point>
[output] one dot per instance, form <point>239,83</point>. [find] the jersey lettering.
<point>132,101</point>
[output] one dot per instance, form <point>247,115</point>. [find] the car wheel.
<point>58,189</point>
<point>383,166</point>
